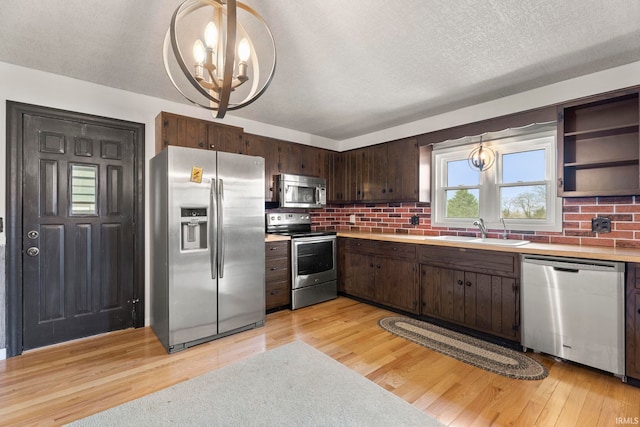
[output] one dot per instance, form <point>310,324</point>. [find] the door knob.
<point>32,234</point>
<point>33,251</point>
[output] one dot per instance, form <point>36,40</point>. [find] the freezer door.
<point>241,263</point>
<point>192,292</point>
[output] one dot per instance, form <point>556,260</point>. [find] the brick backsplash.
<point>577,214</point>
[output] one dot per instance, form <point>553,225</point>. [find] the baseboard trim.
<point>3,353</point>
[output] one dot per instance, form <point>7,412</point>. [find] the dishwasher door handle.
<point>566,270</point>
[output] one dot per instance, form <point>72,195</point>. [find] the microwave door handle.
<point>213,229</point>
<point>221,236</point>
<point>318,195</point>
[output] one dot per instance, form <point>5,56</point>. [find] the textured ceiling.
<point>345,68</point>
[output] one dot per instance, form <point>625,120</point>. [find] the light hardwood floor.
<point>62,383</point>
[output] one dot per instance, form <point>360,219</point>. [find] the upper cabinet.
<point>379,173</point>
<point>173,129</point>
<point>599,146</point>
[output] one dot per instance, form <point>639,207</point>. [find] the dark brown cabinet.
<point>402,170</point>
<point>269,149</point>
<point>380,173</point>
<point>632,316</point>
<point>381,272</point>
<point>173,129</point>
<point>277,275</point>
<point>474,288</point>
<point>599,146</point>
<point>229,139</point>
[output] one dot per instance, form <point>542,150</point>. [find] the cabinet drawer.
<point>377,247</point>
<point>360,245</point>
<point>277,269</point>
<point>277,294</point>
<point>396,250</point>
<point>482,261</point>
<point>276,249</point>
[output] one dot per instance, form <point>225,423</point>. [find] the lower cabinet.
<point>485,302</point>
<point>277,275</point>
<point>380,272</point>
<point>633,321</point>
<point>474,288</point>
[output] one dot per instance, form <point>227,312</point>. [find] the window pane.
<point>525,166</point>
<point>83,189</point>
<point>459,173</point>
<point>462,203</point>
<point>524,202</point>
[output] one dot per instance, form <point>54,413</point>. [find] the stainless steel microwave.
<point>300,191</point>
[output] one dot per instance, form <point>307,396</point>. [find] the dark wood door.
<point>77,229</point>
<point>361,279</point>
<point>397,283</point>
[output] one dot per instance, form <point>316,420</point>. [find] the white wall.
<point>604,81</point>
<point>36,87</point>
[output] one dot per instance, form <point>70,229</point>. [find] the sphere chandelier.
<point>481,158</point>
<point>213,76</point>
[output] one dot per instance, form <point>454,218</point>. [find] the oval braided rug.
<point>476,352</point>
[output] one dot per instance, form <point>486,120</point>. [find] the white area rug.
<point>292,385</point>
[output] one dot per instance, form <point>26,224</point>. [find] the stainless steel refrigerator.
<point>207,249</point>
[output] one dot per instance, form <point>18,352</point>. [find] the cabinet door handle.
<point>468,283</point>
<point>371,265</point>
<point>460,282</point>
<point>378,266</point>
<point>274,268</point>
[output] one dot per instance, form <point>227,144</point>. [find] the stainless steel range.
<point>314,272</point>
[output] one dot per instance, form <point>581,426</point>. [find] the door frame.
<point>14,181</point>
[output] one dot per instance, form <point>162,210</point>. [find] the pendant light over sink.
<point>481,158</point>
<point>227,42</point>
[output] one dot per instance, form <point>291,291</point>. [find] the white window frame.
<point>489,188</point>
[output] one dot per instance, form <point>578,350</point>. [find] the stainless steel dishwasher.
<point>574,309</point>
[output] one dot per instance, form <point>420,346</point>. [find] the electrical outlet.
<point>352,219</point>
<point>415,220</point>
<point>601,224</point>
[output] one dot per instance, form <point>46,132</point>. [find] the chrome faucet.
<point>483,229</point>
<point>504,227</point>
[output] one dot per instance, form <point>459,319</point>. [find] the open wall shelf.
<point>599,146</point>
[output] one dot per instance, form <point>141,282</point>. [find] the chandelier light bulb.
<point>199,52</point>
<point>244,50</point>
<point>211,35</point>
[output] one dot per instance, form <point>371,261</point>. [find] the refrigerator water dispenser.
<point>193,228</point>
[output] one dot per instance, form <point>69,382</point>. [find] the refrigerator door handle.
<point>213,227</point>
<point>220,226</point>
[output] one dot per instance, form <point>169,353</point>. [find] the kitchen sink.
<point>485,241</point>
<point>499,242</point>
<point>452,238</point>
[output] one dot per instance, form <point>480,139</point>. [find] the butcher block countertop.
<point>573,251</point>
<point>275,238</point>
